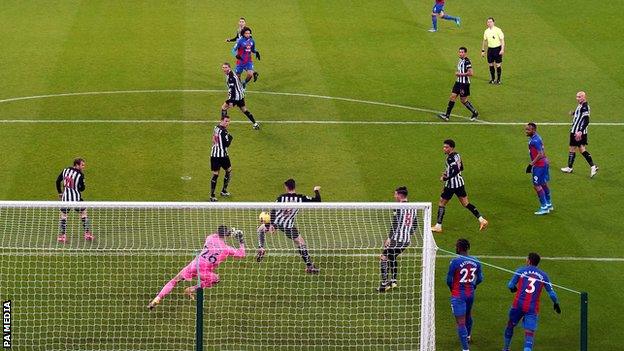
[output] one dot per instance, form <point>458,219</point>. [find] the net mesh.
<point>88,295</point>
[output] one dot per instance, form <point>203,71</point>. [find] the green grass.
<point>367,50</point>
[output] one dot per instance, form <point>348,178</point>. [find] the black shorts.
<point>217,163</point>
<point>448,193</point>
<point>461,89</point>
<point>66,210</point>
<point>291,233</point>
<point>493,55</point>
<point>238,103</point>
<point>581,142</point>
<point>394,250</point>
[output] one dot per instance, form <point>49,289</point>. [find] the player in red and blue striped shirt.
<point>242,50</point>
<point>538,167</point>
<point>528,283</point>
<point>463,277</point>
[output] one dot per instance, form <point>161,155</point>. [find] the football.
<point>264,217</point>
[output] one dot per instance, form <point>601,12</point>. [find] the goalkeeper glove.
<point>258,55</point>
<point>238,234</point>
<point>557,308</point>
<point>529,168</point>
<point>513,290</point>
<point>238,57</point>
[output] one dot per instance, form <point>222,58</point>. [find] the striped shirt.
<point>454,167</point>
<point>462,67</point>
<point>286,217</point>
<point>235,87</point>
<point>580,118</point>
<point>221,140</point>
<point>73,184</point>
<point>404,223</point>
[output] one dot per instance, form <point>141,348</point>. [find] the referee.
<point>495,40</point>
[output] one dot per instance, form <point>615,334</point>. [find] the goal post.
<point>93,294</point>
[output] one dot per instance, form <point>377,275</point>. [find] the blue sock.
<point>547,193</point>
<point>542,197</point>
<point>528,340</point>
<point>463,336</point>
<point>449,18</point>
<point>508,335</point>
<point>469,324</point>
<point>434,20</point>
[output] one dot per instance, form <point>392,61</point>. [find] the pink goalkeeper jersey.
<point>216,251</point>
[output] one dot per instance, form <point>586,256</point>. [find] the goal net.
<point>93,294</point>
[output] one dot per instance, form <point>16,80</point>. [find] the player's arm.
<point>232,84</point>
<point>235,50</point>
<point>235,38</point>
<point>454,169</point>
<point>552,294</point>
<point>240,252</point>
<point>483,43</point>
<point>226,138</point>
<point>59,180</point>
<point>253,49</point>
<point>502,39</point>
<point>317,195</point>
<point>512,285</point>
<point>81,183</point>
<point>449,276</point>
<point>479,275</point>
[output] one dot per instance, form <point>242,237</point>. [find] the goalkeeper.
<point>215,251</point>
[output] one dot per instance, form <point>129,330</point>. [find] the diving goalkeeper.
<point>215,251</point>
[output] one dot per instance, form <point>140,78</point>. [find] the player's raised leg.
<point>250,116</point>
<point>483,223</point>
<point>303,251</point>
<point>166,290</point>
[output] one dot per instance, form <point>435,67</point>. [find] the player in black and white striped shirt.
<point>461,87</point>
<point>70,184</point>
<point>284,220</point>
<point>454,185</point>
<point>236,95</point>
<point>219,157</point>
<point>404,222</point>
<point>578,135</point>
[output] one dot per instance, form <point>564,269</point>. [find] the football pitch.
<point>347,99</point>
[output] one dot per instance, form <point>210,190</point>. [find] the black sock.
<point>383,267</point>
<point>303,251</point>
<point>394,267</point>
<point>213,184</point>
<point>499,70</point>
<point>247,79</point>
<point>441,210</point>
<point>469,106</point>
<point>588,158</point>
<point>85,224</point>
<point>449,108</point>
<point>474,210</point>
<point>63,226</point>
<point>250,116</point>
<point>223,113</point>
<point>226,180</point>
<point>571,157</point>
<point>492,72</point>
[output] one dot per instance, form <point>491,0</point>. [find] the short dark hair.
<point>227,64</point>
<point>245,29</point>
<point>224,117</point>
<point>78,161</point>
<point>402,190</point>
<point>463,48</point>
<point>462,245</point>
<point>450,142</point>
<point>242,18</point>
<point>491,18</point>
<point>290,184</point>
<point>532,125</point>
<point>223,230</point>
<point>534,258</point>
